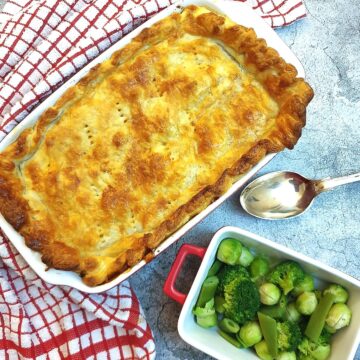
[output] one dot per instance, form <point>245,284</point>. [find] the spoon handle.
<point>328,184</point>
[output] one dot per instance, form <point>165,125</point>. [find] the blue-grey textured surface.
<point>328,44</point>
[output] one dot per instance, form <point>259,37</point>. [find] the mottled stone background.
<point>327,42</point>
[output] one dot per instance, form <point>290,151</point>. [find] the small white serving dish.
<point>345,342</point>
<point>236,11</point>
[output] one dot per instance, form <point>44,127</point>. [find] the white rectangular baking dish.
<point>345,342</point>
<point>239,13</point>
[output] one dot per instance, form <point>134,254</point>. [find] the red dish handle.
<point>169,286</point>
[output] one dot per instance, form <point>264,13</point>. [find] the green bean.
<point>207,291</point>
<point>219,304</point>
<point>229,338</point>
<point>317,318</point>
<point>229,326</point>
<point>269,331</point>
<point>215,267</point>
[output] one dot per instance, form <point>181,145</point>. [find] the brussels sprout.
<point>292,313</point>
<point>246,257</point>
<point>229,251</point>
<point>339,316</point>
<point>259,267</point>
<point>329,329</point>
<point>262,351</point>
<point>306,303</point>
<point>250,334</point>
<point>307,284</point>
<point>269,294</point>
<point>286,356</point>
<point>341,295</point>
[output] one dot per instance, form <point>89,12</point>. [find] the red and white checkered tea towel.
<point>42,43</point>
<point>43,321</point>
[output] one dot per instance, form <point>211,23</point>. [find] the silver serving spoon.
<point>285,194</point>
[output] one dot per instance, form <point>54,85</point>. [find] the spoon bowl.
<point>285,194</point>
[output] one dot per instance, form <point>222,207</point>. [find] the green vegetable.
<point>207,321</point>
<point>262,351</point>
<point>208,309</point>
<point>319,350</point>
<point>250,334</point>
<point>246,257</point>
<point>306,303</point>
<point>270,333</point>
<point>286,356</point>
<point>242,300</point>
<point>219,304</point>
<point>229,273</point>
<point>206,316</point>
<point>306,284</point>
<point>317,318</point>
<point>259,267</point>
<point>291,313</point>
<point>329,329</point>
<point>229,251</point>
<point>229,326</point>
<point>339,316</point>
<point>208,290</point>
<point>203,312</point>
<point>215,267</point>
<point>340,294</point>
<point>287,275</point>
<point>269,294</point>
<point>229,338</point>
<point>289,335</point>
<point>325,337</point>
<point>276,311</point>
<point>318,294</point>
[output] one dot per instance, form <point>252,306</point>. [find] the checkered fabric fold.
<point>43,43</point>
<point>43,321</point>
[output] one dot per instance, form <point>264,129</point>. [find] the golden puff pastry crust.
<point>148,139</point>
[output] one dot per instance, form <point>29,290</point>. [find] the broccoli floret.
<point>287,275</point>
<point>325,337</point>
<point>242,300</point>
<point>229,273</point>
<point>309,350</point>
<point>289,335</point>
